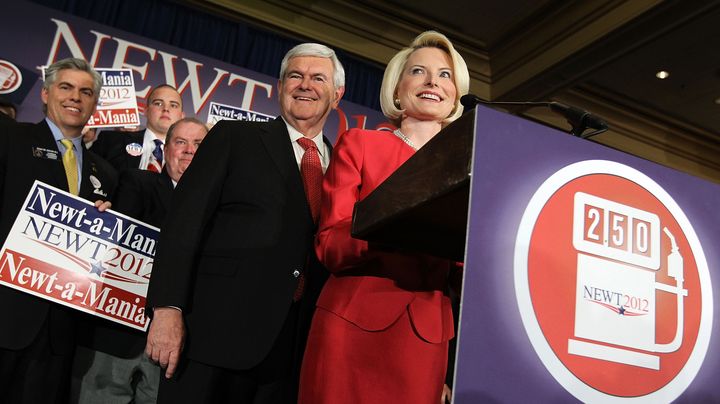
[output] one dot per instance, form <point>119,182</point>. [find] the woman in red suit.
<point>383,320</point>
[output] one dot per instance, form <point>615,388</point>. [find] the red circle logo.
<point>612,284</point>
<point>10,77</point>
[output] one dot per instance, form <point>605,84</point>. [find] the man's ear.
<point>339,92</point>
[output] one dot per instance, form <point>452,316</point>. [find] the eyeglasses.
<point>161,104</point>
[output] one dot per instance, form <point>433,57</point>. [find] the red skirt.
<point>346,364</point>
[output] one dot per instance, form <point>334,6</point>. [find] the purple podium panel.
<point>590,275</point>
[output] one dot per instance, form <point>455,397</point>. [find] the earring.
<point>397,102</point>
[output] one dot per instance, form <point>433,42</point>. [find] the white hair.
<point>317,50</point>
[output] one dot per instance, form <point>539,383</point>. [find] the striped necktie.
<point>70,164</point>
<point>156,161</point>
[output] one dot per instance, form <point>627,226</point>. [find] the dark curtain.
<point>233,42</point>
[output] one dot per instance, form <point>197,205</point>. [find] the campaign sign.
<point>200,80</point>
<point>590,275</point>
<point>61,248</point>
<point>610,274</point>
<point>117,104</point>
<point>15,81</point>
<point>219,112</point>
<point>10,77</point>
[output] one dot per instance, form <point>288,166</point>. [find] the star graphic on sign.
<point>621,311</point>
<point>97,268</point>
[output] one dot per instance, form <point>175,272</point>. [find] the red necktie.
<point>312,174</point>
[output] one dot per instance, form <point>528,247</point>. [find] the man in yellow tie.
<point>37,337</point>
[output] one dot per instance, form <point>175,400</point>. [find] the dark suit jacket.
<point>143,195</point>
<point>111,145</point>
<point>23,315</point>
<point>238,230</point>
<point>5,117</point>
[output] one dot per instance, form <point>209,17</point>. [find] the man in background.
<point>143,149</point>
<point>111,365</point>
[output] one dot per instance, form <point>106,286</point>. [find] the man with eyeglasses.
<point>143,149</point>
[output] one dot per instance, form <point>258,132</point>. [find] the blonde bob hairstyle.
<point>396,66</point>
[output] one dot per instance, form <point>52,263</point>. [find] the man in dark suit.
<point>37,337</point>
<point>110,364</point>
<point>143,149</point>
<point>235,254</point>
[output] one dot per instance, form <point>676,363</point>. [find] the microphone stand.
<point>580,120</point>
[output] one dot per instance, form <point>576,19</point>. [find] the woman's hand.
<point>446,395</point>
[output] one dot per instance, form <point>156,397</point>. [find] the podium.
<point>422,206</point>
<point>590,275</point>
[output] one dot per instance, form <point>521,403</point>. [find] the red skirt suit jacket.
<point>368,287</point>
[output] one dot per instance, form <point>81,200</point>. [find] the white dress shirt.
<point>147,148</point>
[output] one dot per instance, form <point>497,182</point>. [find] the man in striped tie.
<point>143,149</point>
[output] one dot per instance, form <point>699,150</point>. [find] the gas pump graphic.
<point>619,255</point>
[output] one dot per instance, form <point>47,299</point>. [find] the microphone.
<point>579,119</point>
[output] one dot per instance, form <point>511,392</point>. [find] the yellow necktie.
<point>70,164</point>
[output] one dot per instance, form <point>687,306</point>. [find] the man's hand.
<point>165,338</point>
<point>102,206</point>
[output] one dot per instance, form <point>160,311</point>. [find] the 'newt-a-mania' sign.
<point>61,248</point>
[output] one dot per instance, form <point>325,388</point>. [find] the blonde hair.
<point>396,66</point>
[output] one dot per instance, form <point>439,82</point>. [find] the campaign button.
<point>134,149</point>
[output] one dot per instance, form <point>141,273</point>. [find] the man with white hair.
<point>235,255</point>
